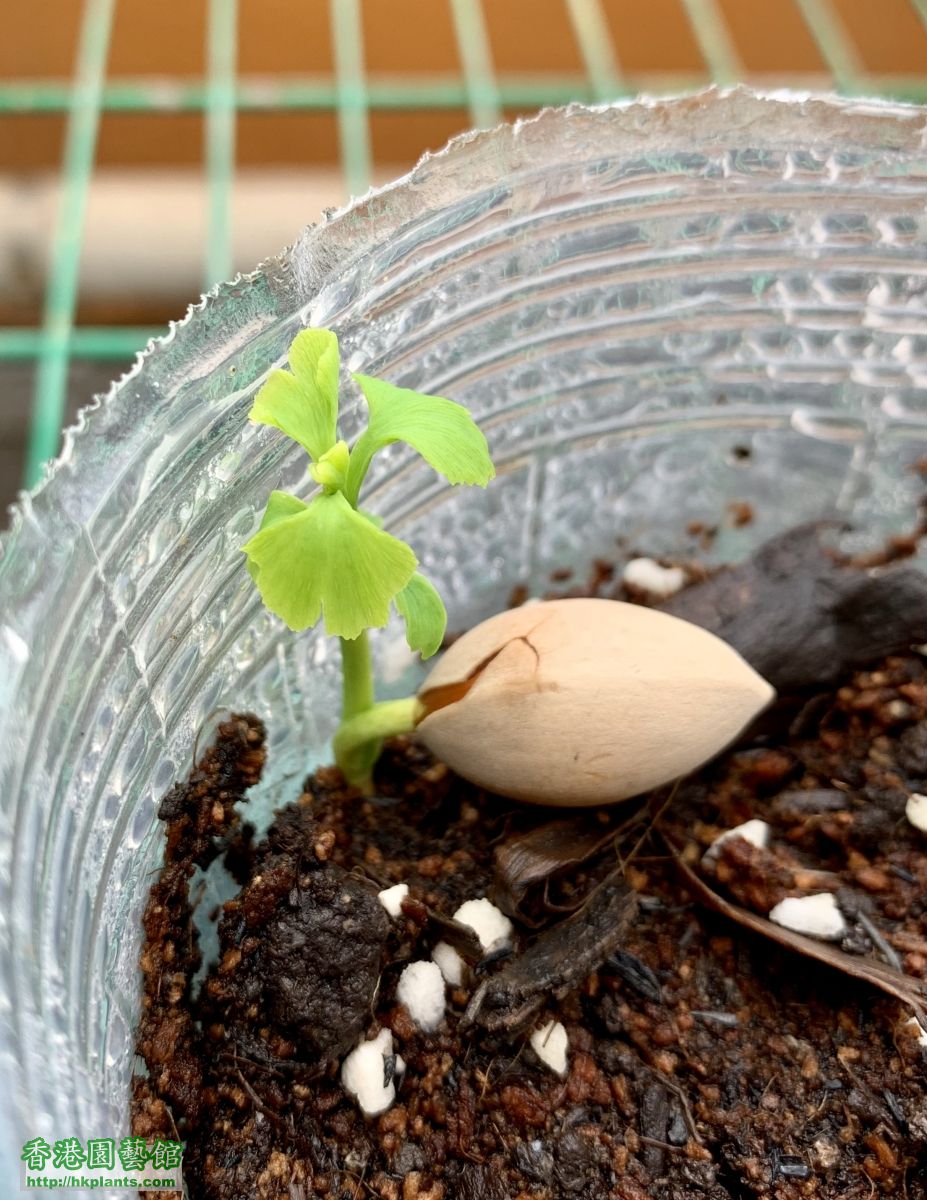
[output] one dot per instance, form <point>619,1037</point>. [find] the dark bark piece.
<point>794,806</point>
<point>912,753</point>
<point>800,618</point>
<point>557,961</point>
<point>578,1163</point>
<point>636,974</point>
<point>655,1115</point>
<point>408,1158</point>
<point>534,1160</point>
<point>322,961</point>
<point>536,855</point>
<point>460,936</point>
<point>478,1182</point>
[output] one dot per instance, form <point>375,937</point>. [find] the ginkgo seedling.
<point>326,558</point>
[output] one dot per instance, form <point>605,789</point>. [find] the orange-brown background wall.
<point>408,37</point>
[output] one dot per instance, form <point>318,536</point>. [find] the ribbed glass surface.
<point>654,310</point>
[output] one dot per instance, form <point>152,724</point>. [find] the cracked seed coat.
<point>586,702</point>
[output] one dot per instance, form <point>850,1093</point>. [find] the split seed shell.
<point>585,701</point>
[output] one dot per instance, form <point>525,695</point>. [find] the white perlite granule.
<point>817,916</point>
<point>549,1043</point>
<point>917,1031</point>
<point>756,832</point>
<point>650,577</point>
<point>421,990</point>
<point>363,1074</point>
<point>916,811</point>
<point>491,926</point>
<point>392,897</point>
<point>449,962</point>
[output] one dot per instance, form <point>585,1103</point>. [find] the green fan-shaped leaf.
<point>425,616</point>
<point>279,505</point>
<point>443,433</point>
<point>327,560</point>
<point>303,402</point>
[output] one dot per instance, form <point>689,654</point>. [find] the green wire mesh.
<point>351,95</point>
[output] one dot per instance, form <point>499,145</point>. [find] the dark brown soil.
<point>704,1061</point>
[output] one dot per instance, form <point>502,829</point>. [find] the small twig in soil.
<point>361,1179</point>
<point>649,1141</point>
<point>486,1075</point>
<point>769,1082</point>
<point>888,951</point>
<point>256,1062</point>
<point>256,1100</point>
<point>499,1134</point>
<point>505,1070</point>
<point>375,997</point>
<point>670,797</point>
<point>683,1103</point>
<point>857,1082</point>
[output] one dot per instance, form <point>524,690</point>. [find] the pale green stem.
<point>364,724</point>
<point>356,735</point>
<point>357,697</point>
<point>357,676</point>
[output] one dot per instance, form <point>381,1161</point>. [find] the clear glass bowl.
<point>654,310</point>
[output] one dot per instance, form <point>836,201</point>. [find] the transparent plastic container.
<point>653,309</point>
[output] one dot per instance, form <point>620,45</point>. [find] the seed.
<point>585,701</point>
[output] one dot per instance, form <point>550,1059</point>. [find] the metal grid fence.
<point>352,94</point>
